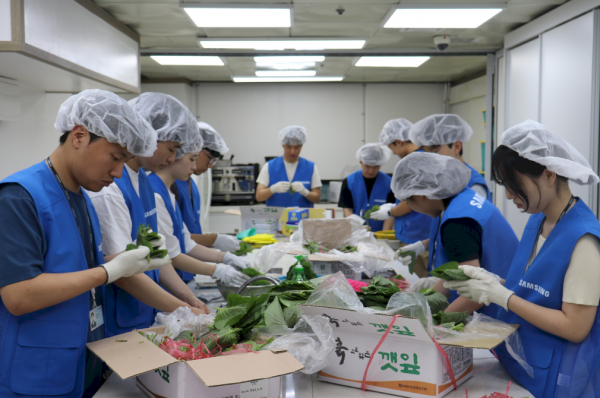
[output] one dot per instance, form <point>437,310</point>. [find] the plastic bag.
<point>413,305</point>
<point>268,256</point>
<point>335,292</point>
<point>180,320</point>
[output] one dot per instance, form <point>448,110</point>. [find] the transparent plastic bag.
<point>180,320</point>
<point>413,305</point>
<point>335,292</point>
<point>268,256</point>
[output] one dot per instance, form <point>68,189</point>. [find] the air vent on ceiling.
<point>465,40</point>
<point>419,30</point>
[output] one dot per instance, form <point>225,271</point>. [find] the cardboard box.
<point>408,362</point>
<point>295,216</point>
<point>251,375</point>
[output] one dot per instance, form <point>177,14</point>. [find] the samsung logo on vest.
<point>478,201</point>
<point>304,182</point>
<point>150,213</point>
<point>537,288</point>
<point>379,200</point>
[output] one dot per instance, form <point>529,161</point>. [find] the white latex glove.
<point>483,287</point>
<point>424,283</point>
<point>416,247</point>
<point>229,275</point>
<point>227,243</point>
<point>132,262</point>
<point>235,261</point>
<point>161,242</point>
<point>300,188</point>
<point>280,187</point>
<point>384,212</point>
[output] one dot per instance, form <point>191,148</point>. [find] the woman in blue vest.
<point>124,206</point>
<point>367,187</point>
<point>289,172</point>
<point>53,272</point>
<point>410,226</point>
<point>467,228</point>
<point>551,290</point>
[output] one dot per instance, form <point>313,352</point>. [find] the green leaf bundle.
<point>251,272</point>
<point>377,294</point>
<point>314,247</point>
<point>244,249</point>
<point>413,260</point>
<point>144,238</point>
<point>349,249</point>
<point>367,215</point>
<point>450,272</point>
<point>445,317</point>
<point>437,301</point>
<point>308,271</point>
<point>453,326</point>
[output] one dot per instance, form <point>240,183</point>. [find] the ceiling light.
<point>291,58</point>
<point>239,16</point>
<point>447,17</point>
<point>195,60</point>
<point>292,44</point>
<point>285,66</point>
<point>253,79</point>
<point>285,73</point>
<point>391,62</point>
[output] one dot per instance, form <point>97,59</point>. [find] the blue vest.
<point>304,173</point>
<point>561,368</point>
<point>499,242</point>
<point>175,213</point>
<point>43,352</point>
<point>123,312</point>
<point>189,205</point>
<point>477,178</point>
<point>379,193</point>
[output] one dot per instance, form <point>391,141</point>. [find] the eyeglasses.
<point>213,156</point>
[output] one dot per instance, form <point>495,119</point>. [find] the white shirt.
<point>290,170</point>
<point>165,226</point>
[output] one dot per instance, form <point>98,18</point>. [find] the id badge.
<point>96,318</point>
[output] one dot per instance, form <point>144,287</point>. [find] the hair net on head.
<point>440,129</point>
<point>293,135</point>
<point>107,115</point>
<point>211,139</point>
<point>373,154</point>
<point>396,129</point>
<point>429,174</point>
<point>535,142</point>
<point>171,120</point>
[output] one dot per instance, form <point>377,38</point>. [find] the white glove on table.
<point>384,212</point>
<point>227,243</point>
<point>161,242</point>
<point>235,261</point>
<point>280,187</point>
<point>483,287</point>
<point>424,283</point>
<point>300,188</point>
<point>132,262</point>
<point>416,247</point>
<point>229,275</point>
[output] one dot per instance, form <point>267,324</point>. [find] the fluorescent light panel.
<point>284,44</point>
<point>193,60</point>
<point>289,62</point>
<point>285,73</point>
<point>436,18</point>
<point>253,79</point>
<point>242,17</point>
<point>391,62</point>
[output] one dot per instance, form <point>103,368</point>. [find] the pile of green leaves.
<point>314,247</point>
<point>437,301</point>
<point>349,249</point>
<point>251,272</point>
<point>450,272</point>
<point>455,318</point>
<point>144,238</point>
<point>367,215</point>
<point>308,271</point>
<point>225,338</point>
<point>244,249</point>
<point>377,294</point>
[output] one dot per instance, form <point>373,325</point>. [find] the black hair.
<point>63,137</point>
<point>507,162</point>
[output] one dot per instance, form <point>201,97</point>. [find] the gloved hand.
<point>227,243</point>
<point>229,275</point>
<point>280,187</point>
<point>483,287</point>
<point>416,247</point>
<point>384,212</point>
<point>424,283</point>
<point>300,188</point>
<point>161,242</point>
<point>235,261</point>
<point>132,262</point>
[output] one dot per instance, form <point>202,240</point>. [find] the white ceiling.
<point>165,29</point>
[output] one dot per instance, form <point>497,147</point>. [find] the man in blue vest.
<point>289,180</point>
<point>367,187</point>
<point>53,271</point>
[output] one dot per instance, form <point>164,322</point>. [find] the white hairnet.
<point>396,129</point>
<point>293,135</point>
<point>440,129</point>
<point>107,115</point>
<point>535,142</point>
<point>211,139</point>
<point>429,174</point>
<point>171,120</point>
<point>373,154</point>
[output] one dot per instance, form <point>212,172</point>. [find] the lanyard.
<point>191,192</point>
<point>437,231</point>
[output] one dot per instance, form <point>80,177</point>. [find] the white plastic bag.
<point>180,320</point>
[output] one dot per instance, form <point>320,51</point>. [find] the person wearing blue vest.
<point>129,203</point>
<point>409,226</point>
<point>53,271</point>
<point>551,290</point>
<point>367,187</point>
<point>467,228</point>
<point>289,180</point>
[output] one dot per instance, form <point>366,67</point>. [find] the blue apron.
<point>561,369</point>
<point>189,205</point>
<point>123,312</point>
<point>159,187</point>
<point>477,178</point>
<point>499,242</point>
<point>379,193</point>
<point>43,352</point>
<point>277,173</point>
